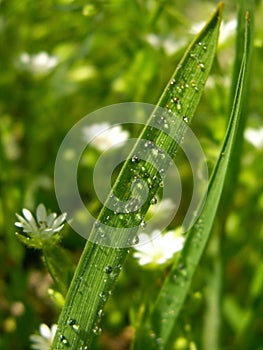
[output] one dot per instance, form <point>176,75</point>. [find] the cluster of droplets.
<point>175,95</point>
<point>199,231</point>
<point>178,88</point>
<point>97,330</point>
<point>64,340</point>
<point>102,236</point>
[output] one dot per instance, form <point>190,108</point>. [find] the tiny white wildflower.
<point>40,229</point>
<point>103,136</point>
<point>40,63</point>
<point>255,137</point>
<point>160,249</point>
<point>169,44</point>
<point>44,340</point>
<point>227,30</point>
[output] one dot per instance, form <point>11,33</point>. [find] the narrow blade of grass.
<point>91,285</point>
<point>233,170</point>
<point>158,328</point>
<point>213,321</point>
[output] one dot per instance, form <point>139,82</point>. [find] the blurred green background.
<point>60,60</point>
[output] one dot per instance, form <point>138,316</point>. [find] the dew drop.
<point>163,121</point>
<point>162,172</point>
<point>135,159</point>
<point>100,313</point>
<point>97,330</point>
<point>161,184</point>
<point>108,269</point>
<point>153,200</point>
<point>118,268</point>
<point>204,47</point>
<point>143,224</point>
<point>97,224</point>
<point>71,322</point>
<point>201,65</point>
<point>176,100</point>
<point>76,327</point>
<point>103,296</point>
<point>149,144</point>
<point>135,240</point>
<point>193,84</point>
<point>108,218</point>
<point>63,339</point>
<point>185,119</point>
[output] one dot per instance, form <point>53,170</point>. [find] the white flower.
<point>43,341</point>
<point>169,44</point>
<point>40,63</point>
<point>255,137</point>
<point>160,249</point>
<point>103,136</point>
<point>40,230</point>
<point>227,30</point>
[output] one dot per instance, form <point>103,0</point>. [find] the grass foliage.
<point>63,59</point>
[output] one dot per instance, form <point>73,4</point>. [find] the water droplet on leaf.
<point>143,224</point>
<point>185,119</point>
<point>154,200</point>
<point>108,269</point>
<point>135,159</point>
<point>97,330</point>
<point>63,339</point>
<point>135,240</point>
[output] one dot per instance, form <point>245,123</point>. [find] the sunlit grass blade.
<point>93,283</point>
<point>156,331</point>
<point>213,321</point>
<point>234,167</point>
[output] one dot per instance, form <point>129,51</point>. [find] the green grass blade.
<point>92,283</point>
<point>214,319</point>
<point>158,328</point>
<point>233,170</point>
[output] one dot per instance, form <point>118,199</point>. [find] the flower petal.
<point>41,213</point>
<point>45,331</point>
<point>58,221</point>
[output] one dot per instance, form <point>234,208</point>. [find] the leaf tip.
<point>247,15</point>
<point>221,6</point>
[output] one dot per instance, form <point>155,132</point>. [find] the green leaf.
<point>158,328</point>
<point>92,283</point>
<point>234,167</point>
